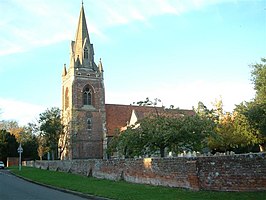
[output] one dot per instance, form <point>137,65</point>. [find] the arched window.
<point>87,96</point>
<point>66,98</point>
<point>89,124</point>
<point>86,54</point>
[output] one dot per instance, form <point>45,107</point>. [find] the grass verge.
<point>121,190</point>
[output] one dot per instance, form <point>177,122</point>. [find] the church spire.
<point>82,31</point>
<point>82,49</point>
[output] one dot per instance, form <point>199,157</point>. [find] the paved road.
<point>12,187</point>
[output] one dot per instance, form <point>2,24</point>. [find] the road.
<point>12,187</point>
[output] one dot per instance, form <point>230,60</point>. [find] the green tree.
<point>256,112</point>
<point>8,145</point>
<point>29,143</point>
<point>245,134</point>
<point>50,127</point>
<point>256,116</point>
<point>195,131</point>
<point>156,133</point>
<point>258,75</point>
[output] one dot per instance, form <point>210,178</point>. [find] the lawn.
<point>122,190</point>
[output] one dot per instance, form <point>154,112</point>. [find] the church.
<point>88,122</point>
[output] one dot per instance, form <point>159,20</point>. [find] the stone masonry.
<point>246,172</point>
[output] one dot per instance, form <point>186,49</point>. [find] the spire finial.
<point>82,2</point>
<point>100,66</point>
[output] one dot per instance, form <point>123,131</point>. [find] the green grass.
<point>126,191</point>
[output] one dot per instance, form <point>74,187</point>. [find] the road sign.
<point>20,149</point>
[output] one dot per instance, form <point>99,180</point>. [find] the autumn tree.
<point>231,133</point>
<point>12,127</point>
<point>24,136</point>
<point>231,130</point>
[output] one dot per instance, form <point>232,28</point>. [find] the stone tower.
<point>83,100</point>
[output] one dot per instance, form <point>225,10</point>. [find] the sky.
<point>180,51</point>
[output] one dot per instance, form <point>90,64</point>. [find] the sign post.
<point>20,150</point>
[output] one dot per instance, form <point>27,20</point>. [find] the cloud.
<point>22,112</point>
<point>187,95</point>
<point>27,24</point>
<point>183,95</point>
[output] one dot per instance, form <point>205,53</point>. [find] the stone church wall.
<point>245,172</point>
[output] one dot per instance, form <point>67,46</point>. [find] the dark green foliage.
<point>8,145</point>
<point>30,147</point>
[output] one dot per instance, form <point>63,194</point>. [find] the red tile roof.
<point>118,116</point>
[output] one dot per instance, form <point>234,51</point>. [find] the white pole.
<point>20,151</point>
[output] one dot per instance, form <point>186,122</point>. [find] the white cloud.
<point>27,24</point>
<point>183,95</point>
<point>22,112</point>
<point>186,95</point>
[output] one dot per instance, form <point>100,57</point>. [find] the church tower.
<point>83,100</point>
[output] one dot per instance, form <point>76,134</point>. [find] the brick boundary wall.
<point>12,161</point>
<point>243,172</point>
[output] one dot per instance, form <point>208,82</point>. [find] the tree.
<point>23,135</point>
<point>195,131</point>
<point>231,130</point>
<point>156,133</point>
<point>8,145</point>
<point>243,128</point>
<point>50,129</point>
<point>258,75</point>
<point>256,112</point>
<point>29,143</point>
<point>12,127</point>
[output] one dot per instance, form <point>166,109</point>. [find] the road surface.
<point>12,187</point>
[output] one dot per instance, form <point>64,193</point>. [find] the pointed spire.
<point>82,40</point>
<point>82,31</point>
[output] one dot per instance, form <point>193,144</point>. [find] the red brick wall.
<point>223,173</point>
<point>233,173</point>
<point>12,161</point>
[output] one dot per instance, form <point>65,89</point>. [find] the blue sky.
<point>180,51</point>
